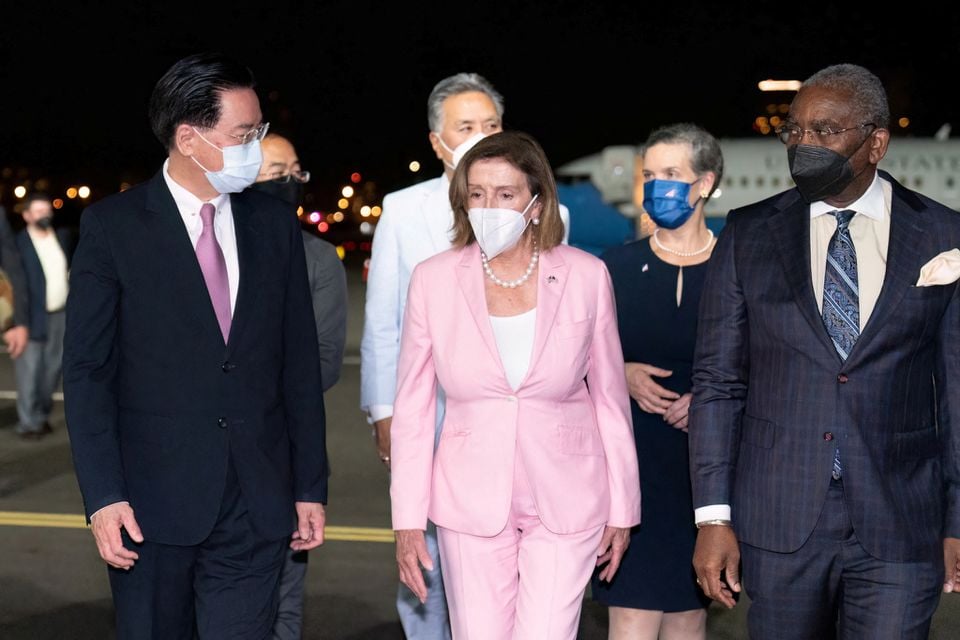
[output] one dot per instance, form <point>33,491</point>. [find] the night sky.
<point>348,81</point>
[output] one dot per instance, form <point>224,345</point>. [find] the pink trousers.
<point>525,583</point>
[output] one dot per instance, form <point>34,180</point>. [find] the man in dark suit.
<point>16,335</point>
<point>823,428</point>
<point>191,374</point>
<point>45,253</point>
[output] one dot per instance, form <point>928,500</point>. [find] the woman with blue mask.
<point>657,283</point>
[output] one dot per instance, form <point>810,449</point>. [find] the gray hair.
<point>455,85</point>
<point>705,154</point>
<point>869,96</point>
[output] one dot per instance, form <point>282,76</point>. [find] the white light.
<point>366,228</point>
<point>20,191</point>
<point>779,85</point>
<point>83,192</point>
<point>717,193</point>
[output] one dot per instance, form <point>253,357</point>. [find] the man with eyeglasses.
<point>824,447</point>
<point>192,373</point>
<point>282,177</point>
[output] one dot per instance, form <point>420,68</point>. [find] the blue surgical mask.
<point>667,202</point>
<point>241,164</point>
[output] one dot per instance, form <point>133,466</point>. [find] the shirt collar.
<point>187,203</point>
<point>870,204</point>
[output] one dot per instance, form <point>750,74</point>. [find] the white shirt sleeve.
<point>711,512</point>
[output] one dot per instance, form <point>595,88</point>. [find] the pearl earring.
<point>536,221</point>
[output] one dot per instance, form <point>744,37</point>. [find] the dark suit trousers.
<point>832,588</point>
<point>225,587</point>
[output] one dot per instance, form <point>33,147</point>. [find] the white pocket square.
<point>942,269</point>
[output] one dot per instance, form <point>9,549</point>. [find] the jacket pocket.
<point>759,433</point>
<point>575,329</point>
<point>922,443</point>
<point>580,441</point>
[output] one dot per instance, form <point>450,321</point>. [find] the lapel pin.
<point>645,268</point>
<point>551,279</point>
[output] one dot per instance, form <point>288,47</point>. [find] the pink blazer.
<point>569,421</point>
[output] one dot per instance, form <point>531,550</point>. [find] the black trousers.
<point>225,587</point>
<point>832,588</point>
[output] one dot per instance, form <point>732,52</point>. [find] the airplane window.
<point>950,182</point>
<point>729,181</point>
<point>902,179</point>
<point>744,181</point>
<point>760,181</point>
<point>775,181</point>
<point>918,181</point>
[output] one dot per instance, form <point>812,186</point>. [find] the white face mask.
<point>462,148</point>
<point>241,164</point>
<point>497,230</point>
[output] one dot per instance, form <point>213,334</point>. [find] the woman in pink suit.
<point>534,480</point>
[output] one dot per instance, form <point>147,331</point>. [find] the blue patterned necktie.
<point>841,297</point>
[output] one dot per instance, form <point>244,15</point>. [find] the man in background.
<point>281,176</point>
<point>45,254</point>
<point>16,335</point>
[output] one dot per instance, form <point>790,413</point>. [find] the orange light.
<point>323,227</point>
<point>355,177</point>
<point>57,203</point>
<point>72,193</point>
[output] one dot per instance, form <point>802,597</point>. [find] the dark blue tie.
<point>841,297</point>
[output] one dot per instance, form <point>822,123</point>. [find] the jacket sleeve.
<point>720,371</point>
<point>380,344</point>
<point>328,288</point>
<point>12,265</point>
<point>947,383</point>
<point>302,393</point>
<point>90,357</point>
<point>608,392</point>
<point>414,419</point>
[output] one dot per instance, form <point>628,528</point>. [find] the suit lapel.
<point>438,215</point>
<point>470,278</point>
<point>791,228</point>
<point>245,224</point>
<point>551,283</point>
<point>903,265</point>
<point>169,235</point>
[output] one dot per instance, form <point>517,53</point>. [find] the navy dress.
<point>657,570</point>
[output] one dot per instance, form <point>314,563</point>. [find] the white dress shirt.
<point>870,232</point>
<point>189,207</point>
<point>54,264</point>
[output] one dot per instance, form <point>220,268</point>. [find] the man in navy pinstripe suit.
<point>830,465</point>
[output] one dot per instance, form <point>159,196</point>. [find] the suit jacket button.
<point>225,367</point>
<point>222,423</point>
<point>828,436</point>
<point>842,378</point>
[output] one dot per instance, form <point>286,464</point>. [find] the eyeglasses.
<point>792,134</point>
<point>257,133</point>
<point>301,177</point>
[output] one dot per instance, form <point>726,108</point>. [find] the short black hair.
<point>36,196</point>
<point>189,92</point>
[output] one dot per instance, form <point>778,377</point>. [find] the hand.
<point>613,545</point>
<point>651,397</point>
<point>411,555</point>
<point>717,550</point>
<point>311,519</point>
<point>951,565</point>
<point>381,437</point>
<point>16,339</point>
<point>106,524</point>
<point>676,415</point>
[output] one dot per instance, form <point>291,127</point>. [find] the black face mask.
<point>290,192</point>
<point>819,172</point>
<point>44,223</point>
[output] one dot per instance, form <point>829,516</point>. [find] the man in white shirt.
<point>45,255</point>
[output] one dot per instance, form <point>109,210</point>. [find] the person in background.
<point>658,282</point>
<point>534,481</point>
<point>45,254</point>
<point>16,335</point>
<point>824,440</point>
<point>281,176</point>
<point>192,373</point>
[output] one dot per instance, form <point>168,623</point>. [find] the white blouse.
<point>514,335</point>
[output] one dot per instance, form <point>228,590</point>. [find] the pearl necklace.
<point>683,254</point>
<point>511,284</point>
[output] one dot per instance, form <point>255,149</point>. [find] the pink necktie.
<point>214,268</point>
